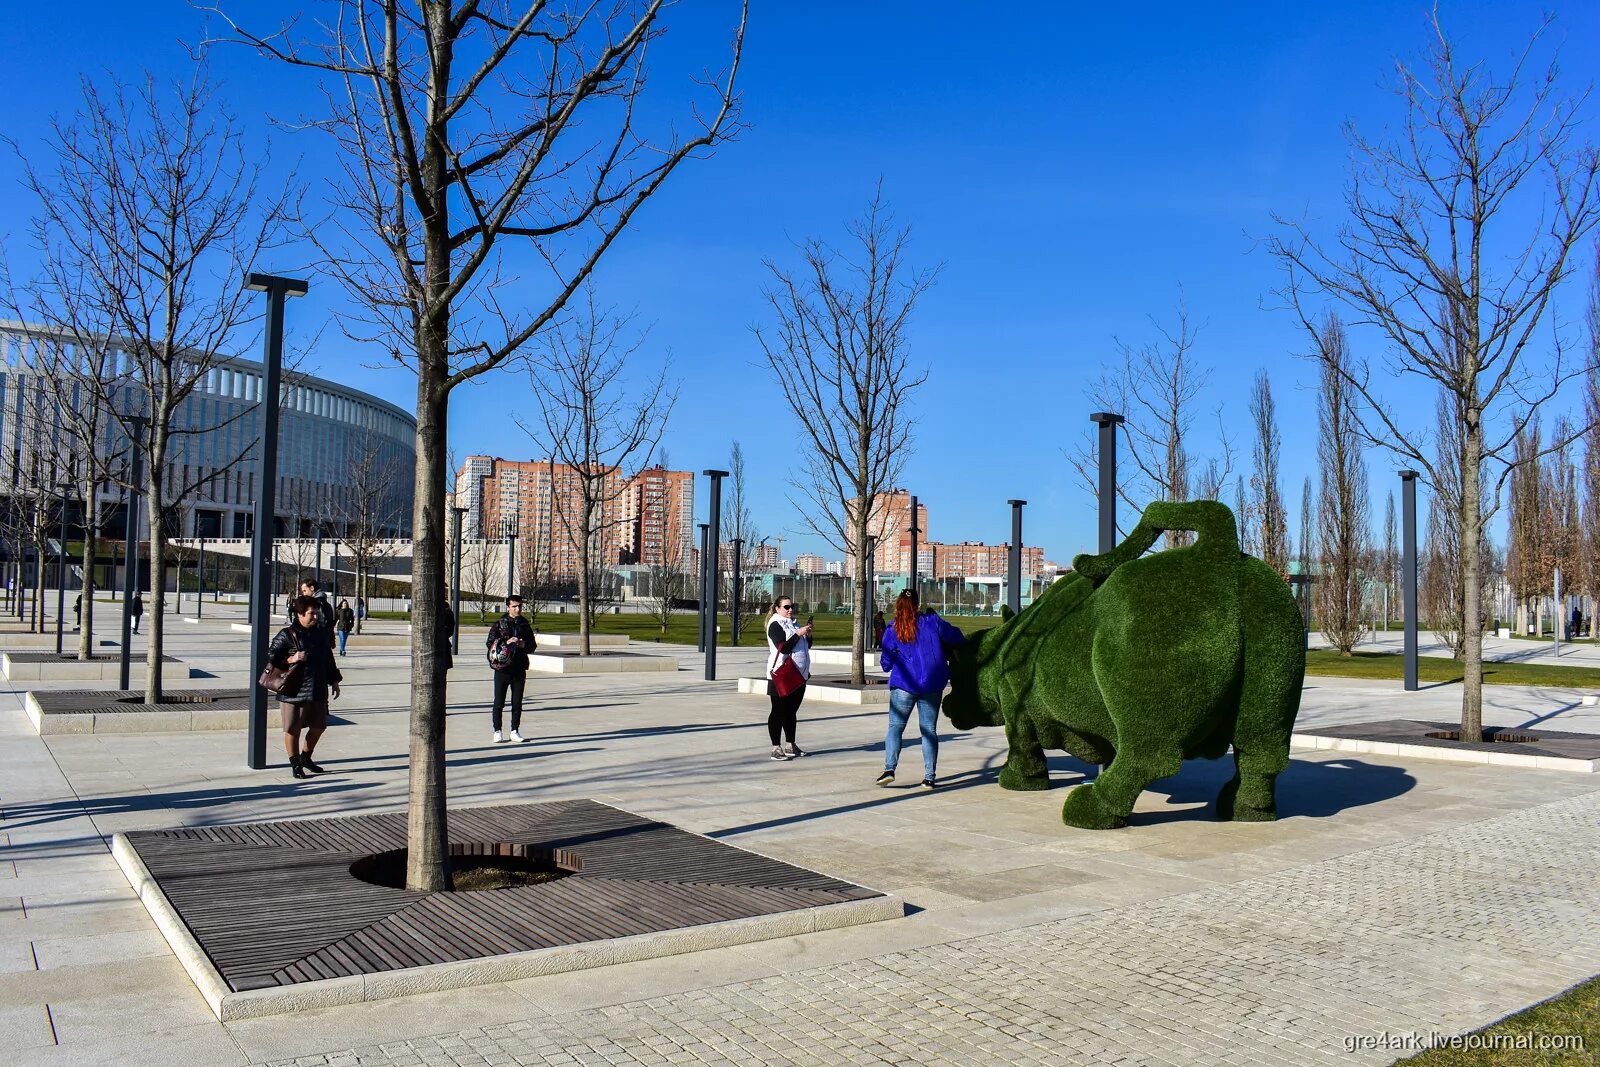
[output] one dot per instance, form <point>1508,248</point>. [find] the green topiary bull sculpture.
<point>1139,662</point>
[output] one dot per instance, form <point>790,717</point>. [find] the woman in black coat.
<point>303,642</point>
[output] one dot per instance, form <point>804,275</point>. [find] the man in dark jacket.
<point>447,630</point>
<point>136,609</point>
<point>308,587</point>
<point>511,638</point>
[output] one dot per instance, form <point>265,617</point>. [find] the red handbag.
<point>787,678</point>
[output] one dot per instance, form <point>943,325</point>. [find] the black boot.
<point>296,769</point>
<point>305,761</point>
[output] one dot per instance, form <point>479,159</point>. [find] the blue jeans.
<point>344,635</point>
<point>900,705</point>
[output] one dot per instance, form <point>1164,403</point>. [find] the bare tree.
<point>153,195</point>
<point>1342,506</point>
<point>744,602</point>
<point>1559,518</point>
<point>365,513</point>
<point>1389,562</point>
<point>1266,494</point>
<point>839,351</point>
<point>468,129</point>
<point>1528,555</point>
<point>594,424</point>
<point>1460,232</point>
<point>1157,386</point>
<point>1590,573</point>
<point>481,572</point>
<point>1307,550</point>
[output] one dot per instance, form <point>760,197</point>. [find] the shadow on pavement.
<point>1316,789</point>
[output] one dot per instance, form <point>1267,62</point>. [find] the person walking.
<point>914,654</point>
<point>878,626</point>
<point>136,609</point>
<point>77,612</point>
<point>447,630</point>
<point>786,641</point>
<point>509,640</point>
<point>305,707</point>
<point>344,620</point>
<point>325,618</point>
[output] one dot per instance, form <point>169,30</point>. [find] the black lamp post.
<point>734,599</point>
<point>870,587</point>
<point>1408,572</point>
<point>714,538</point>
<point>130,554</point>
<point>704,584</point>
<point>510,528</point>
<point>262,559</point>
<point>1014,564</point>
<point>61,569</point>
<point>1107,489</point>
<point>912,562</point>
<point>200,580</point>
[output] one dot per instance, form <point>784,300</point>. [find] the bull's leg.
<point>1105,803</point>
<point>1274,668</point>
<point>1025,766</point>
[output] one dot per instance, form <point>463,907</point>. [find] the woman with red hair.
<point>914,655</point>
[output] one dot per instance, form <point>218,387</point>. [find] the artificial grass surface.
<point>1573,1014</point>
<point>1391,667</point>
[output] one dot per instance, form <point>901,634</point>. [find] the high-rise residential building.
<point>890,523</point>
<point>647,520</point>
<point>810,563</point>
<point>756,557</point>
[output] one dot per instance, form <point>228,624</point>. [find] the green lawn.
<point>683,630</point>
<point>1574,1014</point>
<point>1387,665</point>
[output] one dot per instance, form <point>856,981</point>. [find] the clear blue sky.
<point>1070,169</point>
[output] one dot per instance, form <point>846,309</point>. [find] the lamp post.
<point>1014,563</point>
<point>714,536</point>
<point>200,580</point>
<point>1408,572</point>
<point>1106,450</point>
<point>912,563</point>
<point>869,591</point>
<point>261,558</point>
<point>61,570</point>
<point>319,556</point>
<point>455,583</point>
<point>510,529</point>
<point>130,553</point>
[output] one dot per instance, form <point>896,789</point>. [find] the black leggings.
<point>784,710</point>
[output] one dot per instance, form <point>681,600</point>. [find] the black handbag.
<point>281,680</point>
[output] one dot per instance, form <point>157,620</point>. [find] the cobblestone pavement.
<point>1434,934</point>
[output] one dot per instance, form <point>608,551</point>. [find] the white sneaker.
<point>517,737</point>
<point>499,737</point>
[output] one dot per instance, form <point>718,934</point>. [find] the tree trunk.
<point>1471,526</point>
<point>584,592</point>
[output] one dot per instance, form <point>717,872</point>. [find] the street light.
<point>130,553</point>
<point>714,568</point>
<point>278,290</point>
<point>1014,564</point>
<point>61,566</point>
<point>509,526</point>
<point>1107,490</point>
<point>455,584</point>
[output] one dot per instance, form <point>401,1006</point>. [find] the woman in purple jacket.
<point>914,655</point>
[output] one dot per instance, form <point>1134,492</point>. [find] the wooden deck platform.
<point>275,904</point>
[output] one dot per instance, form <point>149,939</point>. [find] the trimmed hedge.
<point>1139,662</point>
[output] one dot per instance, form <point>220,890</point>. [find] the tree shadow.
<point>21,816</point>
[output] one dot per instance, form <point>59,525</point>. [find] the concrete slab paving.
<point>1376,904</point>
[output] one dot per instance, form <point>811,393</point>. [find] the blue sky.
<point>1071,171</point>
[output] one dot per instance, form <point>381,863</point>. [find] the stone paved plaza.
<point>1395,896</point>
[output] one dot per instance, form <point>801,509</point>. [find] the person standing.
<point>447,630</point>
<point>325,619</point>
<point>509,640</point>
<point>878,626</point>
<point>786,640</point>
<point>344,620</point>
<point>77,612</point>
<point>914,655</point>
<point>306,707</point>
<point>136,609</point>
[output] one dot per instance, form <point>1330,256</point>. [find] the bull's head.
<point>973,699</point>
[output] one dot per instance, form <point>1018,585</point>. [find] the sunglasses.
<point>785,607</point>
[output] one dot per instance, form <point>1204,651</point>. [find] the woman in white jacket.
<point>786,640</point>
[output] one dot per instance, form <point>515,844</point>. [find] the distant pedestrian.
<point>914,654</point>
<point>361,607</point>
<point>136,609</point>
<point>344,620</point>
<point>877,629</point>
<point>447,631</point>
<point>791,643</point>
<point>1574,622</point>
<point>77,612</point>
<point>509,640</point>
<point>325,619</point>
<point>305,708</point>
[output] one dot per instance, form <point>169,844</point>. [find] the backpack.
<point>501,651</point>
